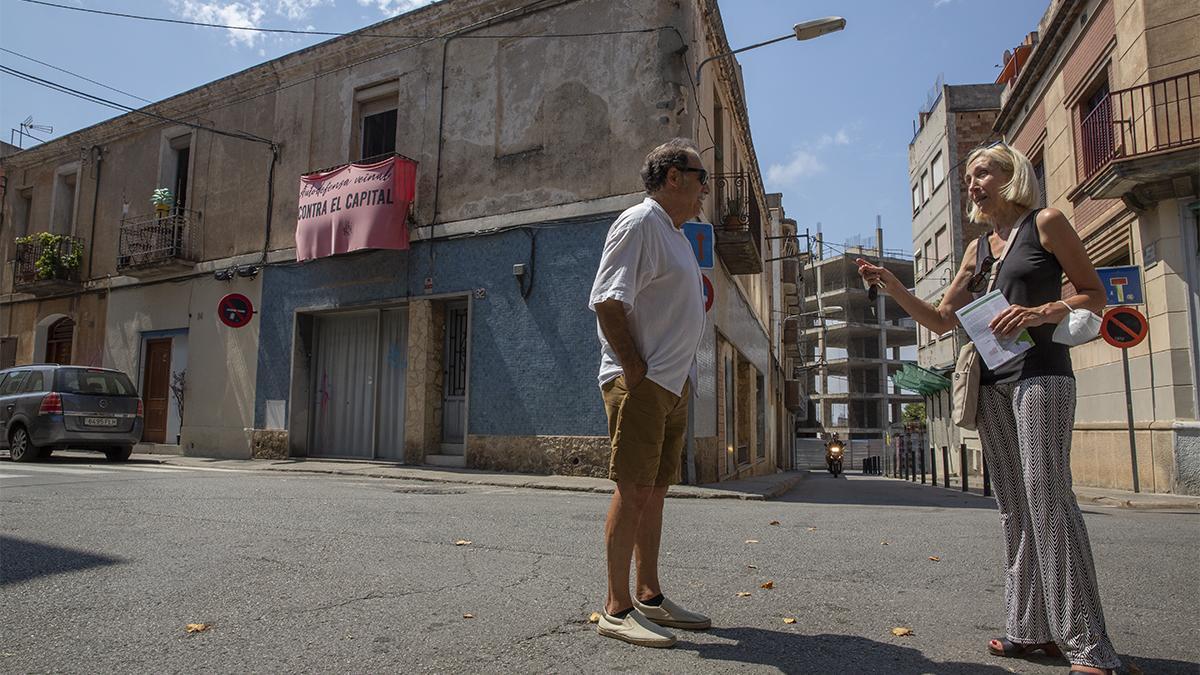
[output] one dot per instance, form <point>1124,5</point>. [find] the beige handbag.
<point>965,386</point>
<point>964,392</point>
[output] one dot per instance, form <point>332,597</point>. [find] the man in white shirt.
<point>650,316</point>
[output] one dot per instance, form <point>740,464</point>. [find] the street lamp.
<point>801,31</point>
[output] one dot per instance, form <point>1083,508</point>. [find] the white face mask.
<point>1078,327</point>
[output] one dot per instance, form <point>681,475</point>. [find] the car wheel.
<point>20,446</point>
<point>119,454</point>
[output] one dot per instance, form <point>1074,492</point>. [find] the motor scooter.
<point>833,457</point>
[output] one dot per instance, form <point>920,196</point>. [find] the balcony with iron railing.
<point>47,264</point>
<point>738,223</point>
<point>1141,136</point>
<point>159,243</point>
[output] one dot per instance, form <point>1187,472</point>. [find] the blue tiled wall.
<point>533,361</point>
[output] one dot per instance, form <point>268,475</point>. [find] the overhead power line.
<point>243,135</point>
<point>296,31</point>
<point>64,70</point>
<point>460,33</point>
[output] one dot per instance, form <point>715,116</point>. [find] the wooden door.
<point>156,390</point>
<point>58,341</point>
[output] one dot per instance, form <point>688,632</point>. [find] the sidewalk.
<point>754,489</point>
<point>1090,495</point>
<point>757,489</point>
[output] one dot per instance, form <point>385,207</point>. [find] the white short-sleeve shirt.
<point>650,266</point>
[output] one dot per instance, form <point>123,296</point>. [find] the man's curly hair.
<point>673,153</point>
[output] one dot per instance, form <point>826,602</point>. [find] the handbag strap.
<point>995,273</point>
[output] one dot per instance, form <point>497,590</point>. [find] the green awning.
<point>921,380</point>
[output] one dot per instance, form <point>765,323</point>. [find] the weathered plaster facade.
<point>515,137</point>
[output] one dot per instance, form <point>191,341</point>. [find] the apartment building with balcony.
<point>1105,96</point>
<point>524,149</point>
<point>959,119</point>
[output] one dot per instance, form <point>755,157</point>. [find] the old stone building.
<point>471,347</point>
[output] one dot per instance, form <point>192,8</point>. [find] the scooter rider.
<point>833,454</point>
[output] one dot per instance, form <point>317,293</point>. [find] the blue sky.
<point>831,117</point>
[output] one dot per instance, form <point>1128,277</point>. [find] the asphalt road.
<point>102,568</point>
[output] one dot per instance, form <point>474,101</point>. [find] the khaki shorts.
<point>647,427</point>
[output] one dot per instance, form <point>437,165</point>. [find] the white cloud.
<point>248,14</point>
<point>839,138</point>
<point>802,164</point>
<point>939,3</point>
<point>806,159</point>
<point>394,7</point>
<point>296,10</point>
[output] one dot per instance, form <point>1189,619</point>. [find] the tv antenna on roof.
<point>27,126</point>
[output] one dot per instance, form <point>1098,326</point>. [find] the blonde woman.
<point>1027,406</point>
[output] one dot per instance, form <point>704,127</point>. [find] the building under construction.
<point>845,348</point>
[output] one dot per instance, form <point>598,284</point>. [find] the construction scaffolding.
<point>846,348</point>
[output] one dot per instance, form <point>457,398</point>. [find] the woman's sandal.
<point>1014,649</point>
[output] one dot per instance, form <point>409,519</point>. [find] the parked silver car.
<point>44,408</point>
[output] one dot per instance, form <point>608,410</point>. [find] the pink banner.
<point>354,207</point>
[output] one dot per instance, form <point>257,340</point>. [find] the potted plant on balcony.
<point>58,256</point>
<point>733,214</point>
<point>163,200</point>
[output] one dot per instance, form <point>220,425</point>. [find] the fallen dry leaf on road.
<point>753,567</point>
<point>812,529</point>
<point>899,631</point>
<point>769,585</point>
<point>743,594</point>
<point>468,616</point>
<point>934,558</point>
<point>751,541</point>
<point>789,620</point>
<point>198,627</point>
<point>883,543</point>
<point>594,618</point>
<point>774,522</point>
<point>463,542</point>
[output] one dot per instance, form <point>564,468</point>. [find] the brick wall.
<point>1094,42</point>
<point>972,129</point>
<point>1034,127</point>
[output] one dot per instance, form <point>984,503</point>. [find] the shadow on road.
<point>801,654</point>
<point>1159,666</point>
<point>822,488</point>
<point>71,459</point>
<point>823,654</point>
<point>22,560</point>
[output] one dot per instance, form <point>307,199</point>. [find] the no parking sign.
<point>235,310</point>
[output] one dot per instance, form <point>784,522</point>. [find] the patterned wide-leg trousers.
<point>1050,586</point>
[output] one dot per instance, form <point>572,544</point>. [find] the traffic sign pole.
<point>1129,419</point>
<point>1125,327</point>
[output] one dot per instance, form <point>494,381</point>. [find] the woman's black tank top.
<point>1029,276</point>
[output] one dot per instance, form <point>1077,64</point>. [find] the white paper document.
<point>975,318</point>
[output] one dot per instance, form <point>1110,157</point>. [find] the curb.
<point>1133,504</point>
<point>1147,502</point>
<point>540,483</point>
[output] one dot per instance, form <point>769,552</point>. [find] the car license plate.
<point>100,421</point>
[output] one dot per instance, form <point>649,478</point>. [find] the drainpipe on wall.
<point>97,153</point>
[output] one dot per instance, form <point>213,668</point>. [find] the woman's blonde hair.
<point>1022,186</point>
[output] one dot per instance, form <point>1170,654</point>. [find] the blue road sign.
<point>701,236</point>
<point>1122,285</point>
